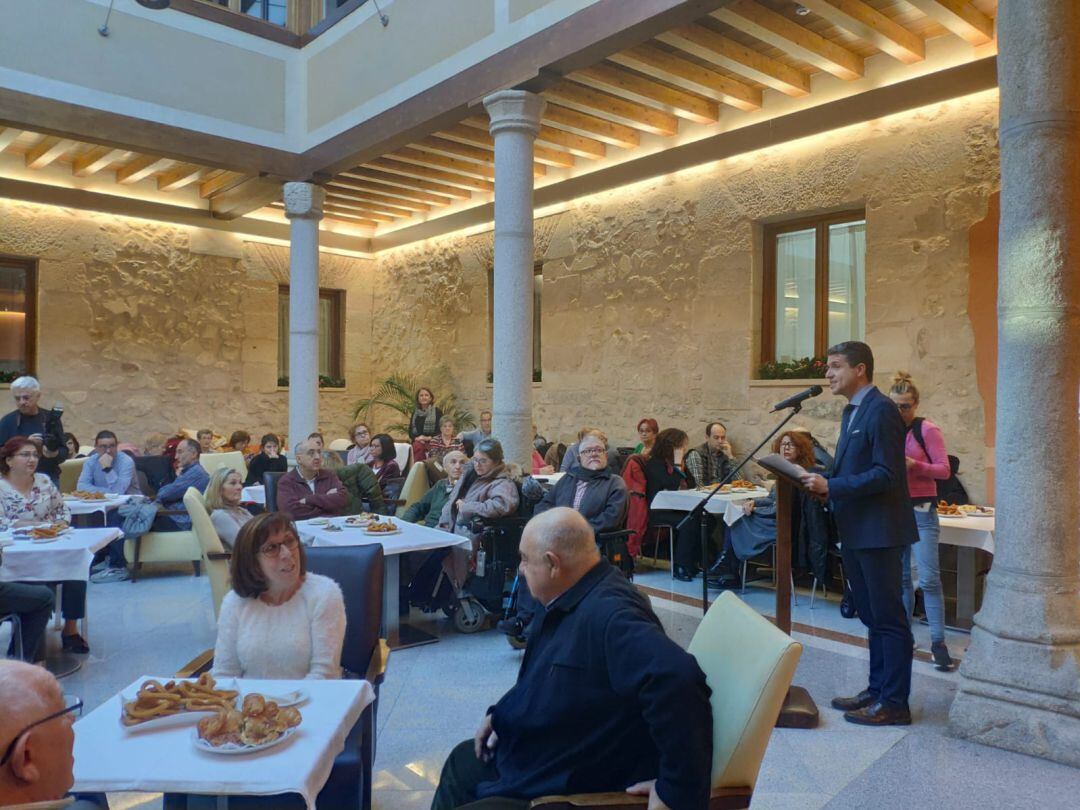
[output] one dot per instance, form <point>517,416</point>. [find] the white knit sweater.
<point>299,639</point>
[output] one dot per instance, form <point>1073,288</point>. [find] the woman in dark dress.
<point>648,473</point>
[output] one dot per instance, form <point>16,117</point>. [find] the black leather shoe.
<point>725,582</point>
<point>942,660</point>
<point>880,714</point>
<point>724,564</point>
<point>75,644</point>
<point>851,704</point>
<point>682,574</point>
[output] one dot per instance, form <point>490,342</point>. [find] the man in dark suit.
<point>868,495</point>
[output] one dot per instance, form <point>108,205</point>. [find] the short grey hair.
<point>25,384</point>
<point>492,448</point>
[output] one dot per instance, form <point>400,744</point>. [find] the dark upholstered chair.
<point>270,480</point>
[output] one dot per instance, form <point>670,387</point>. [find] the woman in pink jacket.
<point>927,463</point>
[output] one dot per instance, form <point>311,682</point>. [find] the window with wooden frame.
<point>538,294</point>
<point>814,285</point>
<point>331,334</point>
<point>18,316</point>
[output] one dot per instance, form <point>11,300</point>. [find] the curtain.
<point>847,281</point>
<point>795,279</point>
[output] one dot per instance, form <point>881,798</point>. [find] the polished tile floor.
<point>435,695</point>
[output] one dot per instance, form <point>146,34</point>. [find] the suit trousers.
<point>461,775</point>
<point>876,576</point>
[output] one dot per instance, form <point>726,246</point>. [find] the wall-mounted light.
<point>156,5</point>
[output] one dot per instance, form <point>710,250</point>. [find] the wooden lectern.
<point>799,709</point>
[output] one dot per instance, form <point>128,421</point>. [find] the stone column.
<point>515,120</point>
<point>1020,679</point>
<point>304,208</point>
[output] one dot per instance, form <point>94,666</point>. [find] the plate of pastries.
<point>948,510</point>
<point>43,533</point>
<point>361,520</point>
<point>738,485</point>
<point>163,705</point>
<point>84,495</point>
<point>382,527</point>
<point>259,723</point>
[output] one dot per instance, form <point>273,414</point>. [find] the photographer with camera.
<point>37,424</point>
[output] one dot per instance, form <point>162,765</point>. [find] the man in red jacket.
<point>309,491</point>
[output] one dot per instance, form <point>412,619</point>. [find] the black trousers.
<point>875,575</point>
<point>688,539</point>
<point>33,604</point>
<point>460,776</point>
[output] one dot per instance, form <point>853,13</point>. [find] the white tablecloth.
<point>413,537</point>
<point>108,758</point>
<point>683,500</point>
<point>972,532</point>
<point>81,507</point>
<point>66,558</point>
<point>254,494</point>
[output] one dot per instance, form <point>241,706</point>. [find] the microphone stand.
<point>699,510</point>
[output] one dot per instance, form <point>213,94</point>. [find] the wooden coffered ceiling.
<point>727,64</point>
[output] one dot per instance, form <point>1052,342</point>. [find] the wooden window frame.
<point>30,266</point>
<point>820,223</point>
<point>538,270</point>
<point>337,321</point>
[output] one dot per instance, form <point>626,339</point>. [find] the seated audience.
<point>485,490</point>
<point>362,485</point>
<point>707,464</point>
<point>28,497</point>
<point>36,740</point>
<point>538,465</point>
<point>154,444</point>
<point>571,456</point>
<point>38,424</point>
<point>189,473</point>
<point>384,459</point>
<point>481,433</point>
<point>331,459</point>
<point>109,470</point>
<point>72,445</point>
<point>649,473</point>
<point>756,531</point>
<point>604,700</point>
<point>426,418</point>
<point>238,442</point>
<point>205,438</point>
<point>268,459</point>
<point>360,452</point>
<point>429,508</point>
<point>33,604</point>
<point>278,621</point>
<point>446,441</point>
<point>309,491</point>
<point>646,431</point>
<point>590,487</point>
<point>222,500</point>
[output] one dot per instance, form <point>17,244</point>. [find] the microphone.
<point>797,399</point>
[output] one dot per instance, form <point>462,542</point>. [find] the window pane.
<point>538,288</point>
<point>795,256</point>
<point>283,334</point>
<point>14,306</point>
<point>847,281</point>
<point>275,11</point>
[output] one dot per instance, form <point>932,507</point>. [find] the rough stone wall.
<point>651,296</point>
<point>141,332</point>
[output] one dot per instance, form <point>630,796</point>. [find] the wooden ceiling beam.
<point>141,167</point>
<point>335,215</point>
<point>461,134</point>
<point>344,196</point>
<point>611,107</point>
<point>590,126</point>
<point>220,183</point>
<point>869,24</point>
<point>486,157</point>
<point>250,195</point>
<point>485,171</point>
<point>177,178</point>
<point>802,43</point>
<point>46,151</point>
<point>960,17</point>
<point>673,68</point>
<point>337,207</point>
<point>605,76</point>
<point>426,173</point>
<point>725,52</point>
<point>578,145</point>
<point>95,159</point>
<point>355,191</point>
<point>8,136</point>
<point>412,187</point>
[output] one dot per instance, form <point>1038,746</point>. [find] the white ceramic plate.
<point>6,541</point>
<point>202,745</point>
<point>319,522</point>
<point>382,534</point>
<point>169,720</point>
<point>293,698</point>
<point>951,517</point>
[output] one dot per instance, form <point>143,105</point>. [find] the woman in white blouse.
<point>278,621</point>
<point>222,499</point>
<point>27,498</point>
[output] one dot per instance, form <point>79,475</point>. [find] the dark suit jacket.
<point>868,483</point>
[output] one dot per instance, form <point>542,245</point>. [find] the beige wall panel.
<point>143,60</point>
<point>522,8</point>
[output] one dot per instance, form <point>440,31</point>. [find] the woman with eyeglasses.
<point>647,430</point>
<point>360,452</point>
<point>27,498</point>
<point>278,621</point>
<point>927,463</point>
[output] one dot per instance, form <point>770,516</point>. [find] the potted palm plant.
<point>397,394</point>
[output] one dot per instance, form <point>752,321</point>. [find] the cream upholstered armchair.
<point>181,546</point>
<point>214,556</point>
<point>214,461</point>
<point>337,445</point>
<point>749,665</point>
<point>70,470</point>
<point>415,486</point>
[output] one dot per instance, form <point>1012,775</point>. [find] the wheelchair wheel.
<point>469,617</point>
<point>517,642</point>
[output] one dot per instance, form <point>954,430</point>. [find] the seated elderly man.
<point>39,424</point>
<point>429,508</point>
<point>571,457</point>
<point>591,487</point>
<point>189,473</point>
<point>36,740</point>
<point>604,700</point>
<point>309,491</point>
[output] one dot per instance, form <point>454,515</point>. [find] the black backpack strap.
<point>916,428</point>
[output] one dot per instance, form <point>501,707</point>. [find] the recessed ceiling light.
<point>802,11</point>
